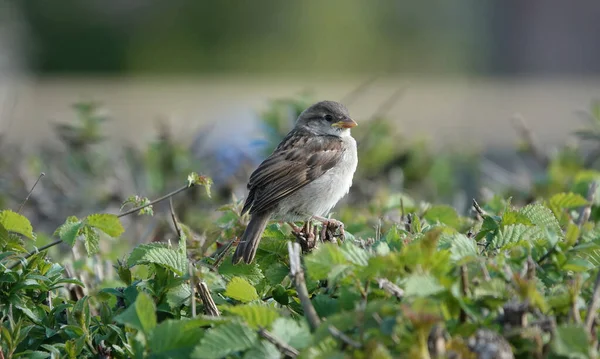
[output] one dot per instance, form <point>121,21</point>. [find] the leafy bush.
<point>514,277</point>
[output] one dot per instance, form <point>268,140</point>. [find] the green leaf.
<point>225,339</point>
<point>91,240</point>
<point>355,254</point>
<point>107,223</point>
<point>515,233</point>
<point>141,315</point>
<point>255,315</point>
<point>175,338</point>
<point>239,289</point>
<point>567,201</point>
<point>460,246</point>
<point>422,285</point>
<point>571,341</point>
<point>70,230</point>
<point>160,254</point>
<point>250,272</point>
<point>443,214</point>
<point>195,179</point>
<point>294,333</point>
<point>14,222</point>
<point>264,350</point>
<point>321,262</point>
<point>578,265</point>
<point>541,216</point>
<point>513,217</point>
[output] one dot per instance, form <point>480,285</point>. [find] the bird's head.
<point>326,118</point>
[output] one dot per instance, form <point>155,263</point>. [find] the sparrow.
<point>305,176</point>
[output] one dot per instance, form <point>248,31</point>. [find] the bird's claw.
<point>305,235</point>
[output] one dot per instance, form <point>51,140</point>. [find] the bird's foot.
<point>305,235</point>
<point>329,229</point>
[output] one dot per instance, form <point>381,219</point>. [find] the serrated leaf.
<point>141,315</point>
<point>91,240</point>
<point>515,233</point>
<point>571,341</point>
<point>541,216</point>
<point>292,332</point>
<point>321,262</point>
<point>175,338</point>
<point>422,285</point>
<point>255,315</point>
<point>354,254</point>
<point>276,273</point>
<point>461,247</point>
<point>239,289</point>
<point>17,223</point>
<point>107,223</point>
<point>578,265</point>
<point>264,350</point>
<point>69,231</point>
<point>443,214</point>
<point>225,339</point>
<point>513,217</point>
<point>250,272</point>
<point>160,254</point>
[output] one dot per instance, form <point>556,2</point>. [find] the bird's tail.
<point>248,245</point>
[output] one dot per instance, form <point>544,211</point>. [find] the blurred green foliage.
<point>414,278</point>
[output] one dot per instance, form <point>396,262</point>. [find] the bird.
<point>305,176</point>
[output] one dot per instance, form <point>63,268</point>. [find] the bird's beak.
<point>345,123</point>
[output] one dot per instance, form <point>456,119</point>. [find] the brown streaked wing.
<point>297,161</point>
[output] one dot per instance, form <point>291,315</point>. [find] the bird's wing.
<point>298,160</point>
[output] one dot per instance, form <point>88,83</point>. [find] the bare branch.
<point>30,192</point>
<point>210,308</point>
<point>297,276</point>
<point>343,337</point>
<point>360,89</point>
<point>283,347</point>
<point>174,218</point>
<point>593,306</point>
<point>585,212</point>
<point>529,138</point>
<point>478,209</point>
<point>464,286</point>
<point>167,196</point>
<point>390,288</point>
<point>193,289</point>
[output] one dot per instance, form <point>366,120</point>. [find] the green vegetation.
<point>414,278</point>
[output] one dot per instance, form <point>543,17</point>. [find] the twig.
<point>593,306</point>
<point>297,276</point>
<point>59,241</point>
<point>464,286</point>
<point>283,348</point>
<point>167,196</point>
<point>30,192</point>
<point>221,255</point>
<point>584,213</point>
<point>174,218</point>
<point>529,138</point>
<point>343,337</point>
<point>352,95</point>
<point>193,289</point>
<point>387,105</point>
<point>478,209</point>
<point>210,308</point>
<point>390,288</point>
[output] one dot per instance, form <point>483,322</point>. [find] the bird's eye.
<point>328,118</point>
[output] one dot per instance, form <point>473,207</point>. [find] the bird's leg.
<point>305,236</point>
<point>330,224</point>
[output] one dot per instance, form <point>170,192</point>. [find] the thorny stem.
<point>464,281</point>
<point>343,337</point>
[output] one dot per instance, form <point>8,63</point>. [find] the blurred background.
<point>453,99</point>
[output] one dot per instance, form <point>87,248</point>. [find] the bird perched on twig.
<point>304,177</point>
